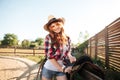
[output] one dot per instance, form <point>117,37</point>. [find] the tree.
<point>86,36</point>
<point>25,43</point>
<point>9,40</point>
<point>0,43</point>
<point>39,41</point>
<point>82,37</point>
<point>33,44</point>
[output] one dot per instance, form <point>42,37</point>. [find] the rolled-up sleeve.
<point>69,47</point>
<point>69,43</point>
<point>48,49</point>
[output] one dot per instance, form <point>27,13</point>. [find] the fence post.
<point>106,48</point>
<point>90,48</point>
<point>87,47</point>
<point>14,50</point>
<point>96,42</point>
<point>33,51</point>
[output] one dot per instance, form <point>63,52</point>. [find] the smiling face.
<point>56,27</point>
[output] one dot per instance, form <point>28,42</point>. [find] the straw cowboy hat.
<point>52,19</point>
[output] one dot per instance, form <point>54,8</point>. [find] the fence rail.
<point>19,51</point>
<point>106,45</point>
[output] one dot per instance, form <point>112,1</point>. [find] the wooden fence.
<point>106,45</point>
<point>19,51</point>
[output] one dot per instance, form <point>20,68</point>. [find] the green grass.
<point>37,58</point>
<point>25,53</point>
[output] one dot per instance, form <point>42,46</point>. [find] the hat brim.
<point>52,21</point>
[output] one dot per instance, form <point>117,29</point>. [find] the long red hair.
<point>59,38</point>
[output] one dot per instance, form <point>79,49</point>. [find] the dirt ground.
<point>15,68</point>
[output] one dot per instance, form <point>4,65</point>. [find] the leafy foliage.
<point>39,41</point>
<point>82,47</point>
<point>25,43</point>
<point>33,44</point>
<point>0,42</point>
<point>9,40</point>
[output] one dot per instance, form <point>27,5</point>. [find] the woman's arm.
<point>56,64</point>
<point>72,58</point>
<point>61,68</point>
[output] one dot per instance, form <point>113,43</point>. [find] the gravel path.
<point>15,68</point>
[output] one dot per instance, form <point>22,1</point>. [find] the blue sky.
<point>26,18</point>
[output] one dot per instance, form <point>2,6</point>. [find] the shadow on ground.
<point>15,68</point>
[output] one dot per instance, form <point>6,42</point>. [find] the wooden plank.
<point>114,22</point>
<point>114,34</point>
<point>113,29</point>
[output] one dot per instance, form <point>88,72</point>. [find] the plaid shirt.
<point>60,53</point>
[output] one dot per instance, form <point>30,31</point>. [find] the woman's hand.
<point>68,69</point>
<point>72,58</point>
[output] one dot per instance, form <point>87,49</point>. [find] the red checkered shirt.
<point>60,52</point>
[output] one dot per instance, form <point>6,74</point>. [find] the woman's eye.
<point>52,26</point>
<point>57,24</point>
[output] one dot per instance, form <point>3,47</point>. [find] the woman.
<point>57,48</point>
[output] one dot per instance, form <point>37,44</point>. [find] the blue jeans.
<point>49,73</point>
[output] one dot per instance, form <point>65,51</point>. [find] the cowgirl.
<point>57,47</point>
